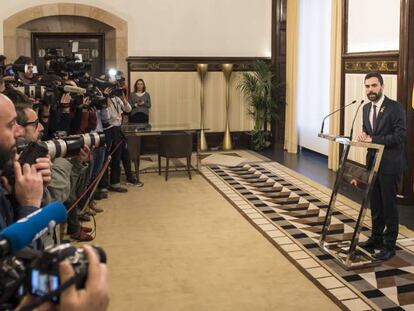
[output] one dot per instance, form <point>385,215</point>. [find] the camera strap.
<point>48,297</point>
<point>116,106</point>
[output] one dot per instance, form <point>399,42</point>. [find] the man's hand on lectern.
<point>363,137</point>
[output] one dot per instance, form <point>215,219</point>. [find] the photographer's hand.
<point>28,300</point>
<point>44,167</point>
<point>95,295</point>
<point>86,101</point>
<point>65,101</point>
<point>84,154</point>
<point>28,186</point>
<point>107,91</point>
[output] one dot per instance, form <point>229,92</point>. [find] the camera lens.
<point>71,145</point>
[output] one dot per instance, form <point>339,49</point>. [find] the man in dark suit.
<point>384,123</point>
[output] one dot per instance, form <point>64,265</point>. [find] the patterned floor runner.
<point>290,213</point>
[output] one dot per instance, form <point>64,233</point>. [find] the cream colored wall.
<point>67,24</point>
<point>354,86</point>
<point>373,25</point>
<point>175,99</point>
<point>182,27</point>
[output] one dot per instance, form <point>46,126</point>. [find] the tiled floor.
<point>290,212</point>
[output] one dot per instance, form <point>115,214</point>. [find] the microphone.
<point>323,121</point>
<point>353,121</point>
<point>22,233</point>
<point>74,89</point>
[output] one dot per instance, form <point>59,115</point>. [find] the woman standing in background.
<point>140,101</point>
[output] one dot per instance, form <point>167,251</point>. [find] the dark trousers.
<point>139,117</point>
<point>126,161</point>
<point>98,155</point>
<point>73,222</point>
<point>113,136</point>
<point>384,211</point>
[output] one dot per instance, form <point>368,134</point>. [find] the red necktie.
<point>374,118</point>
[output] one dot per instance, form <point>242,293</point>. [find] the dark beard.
<point>6,157</point>
<point>377,96</point>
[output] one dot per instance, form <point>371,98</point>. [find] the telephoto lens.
<point>32,90</point>
<point>71,145</point>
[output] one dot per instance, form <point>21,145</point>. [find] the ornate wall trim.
<point>384,62</point>
<point>390,67</point>
<point>189,63</point>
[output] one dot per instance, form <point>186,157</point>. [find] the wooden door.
<point>91,47</point>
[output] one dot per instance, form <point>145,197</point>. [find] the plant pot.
<point>259,140</point>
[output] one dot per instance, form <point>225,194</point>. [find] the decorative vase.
<point>227,70</point>
<point>202,71</point>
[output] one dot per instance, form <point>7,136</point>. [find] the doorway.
<point>91,47</point>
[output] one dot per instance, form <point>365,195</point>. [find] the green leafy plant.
<point>260,90</point>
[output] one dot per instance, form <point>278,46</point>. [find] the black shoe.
<point>100,195</point>
<point>385,254</point>
<point>84,217</point>
<point>117,189</point>
<point>371,245</point>
<point>133,181</point>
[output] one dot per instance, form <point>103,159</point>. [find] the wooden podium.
<point>346,251</point>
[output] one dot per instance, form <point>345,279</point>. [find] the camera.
<point>43,275</point>
<point>6,70</point>
<point>116,90</point>
<point>33,91</point>
<point>98,101</point>
<point>68,146</point>
<point>37,273</point>
<point>62,65</point>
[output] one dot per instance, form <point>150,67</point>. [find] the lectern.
<point>345,248</point>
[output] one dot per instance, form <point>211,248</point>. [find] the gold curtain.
<point>292,29</point>
<point>335,85</point>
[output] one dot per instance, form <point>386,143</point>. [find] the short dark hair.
<point>374,74</point>
<point>16,96</point>
<point>136,87</point>
<point>21,108</point>
<point>23,60</point>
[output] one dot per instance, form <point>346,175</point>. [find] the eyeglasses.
<point>35,123</point>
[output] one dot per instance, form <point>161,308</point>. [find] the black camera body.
<point>43,275</point>
<point>116,90</point>
<point>31,152</point>
<point>62,65</point>
<point>6,70</point>
<point>98,101</point>
<point>37,273</point>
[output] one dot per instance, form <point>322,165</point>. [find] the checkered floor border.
<point>289,212</point>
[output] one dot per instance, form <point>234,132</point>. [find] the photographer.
<point>113,133</point>
<point>26,74</point>
<point>95,295</point>
<point>28,187</point>
<point>62,181</point>
<point>2,66</point>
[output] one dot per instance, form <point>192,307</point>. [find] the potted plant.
<point>260,90</point>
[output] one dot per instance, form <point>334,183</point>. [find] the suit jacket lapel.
<point>381,113</point>
<point>367,121</point>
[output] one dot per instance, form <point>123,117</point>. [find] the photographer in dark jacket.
<point>27,75</point>
<point>28,187</point>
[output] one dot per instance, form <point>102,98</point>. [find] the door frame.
<point>70,36</point>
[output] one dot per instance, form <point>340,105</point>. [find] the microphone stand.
<point>353,121</point>
<point>323,121</point>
